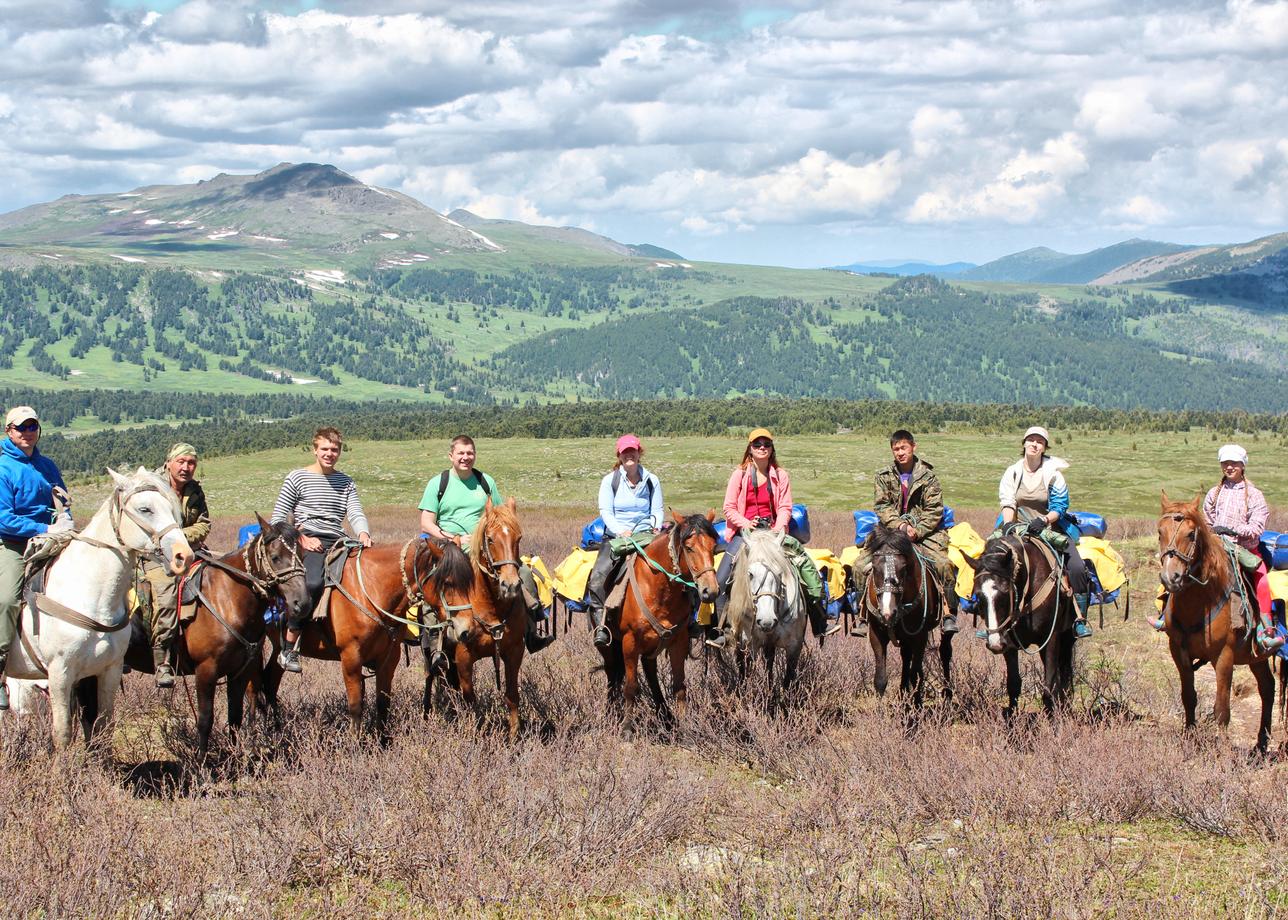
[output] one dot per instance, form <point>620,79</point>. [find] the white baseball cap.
<point>19,414</point>
<point>1036,430</point>
<point>1232,453</point>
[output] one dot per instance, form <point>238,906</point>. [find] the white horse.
<point>766,604</point>
<point>82,629</point>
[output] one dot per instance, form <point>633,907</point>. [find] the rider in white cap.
<point>1237,510</point>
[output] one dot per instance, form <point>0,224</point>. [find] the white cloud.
<point>1140,211</point>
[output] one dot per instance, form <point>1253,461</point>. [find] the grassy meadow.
<point>838,807</point>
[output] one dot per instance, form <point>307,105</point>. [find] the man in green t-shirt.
<point>450,509</point>
<point>454,500</point>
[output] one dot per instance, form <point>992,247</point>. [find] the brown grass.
<point>842,807</point>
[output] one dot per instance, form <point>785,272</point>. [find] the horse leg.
<point>1185,672</point>
<point>61,700</point>
<point>631,683</point>
<point>913,660</point>
<point>351,666</point>
<point>109,684</point>
<point>946,665</point>
<point>1224,666</point>
<point>771,703</point>
<point>236,692</point>
<point>878,642</point>
<point>513,660</point>
<point>679,653</point>
<point>271,681</point>
<point>384,691</point>
<point>207,674</point>
<point>87,701</point>
<point>1012,682</point>
<point>465,679</point>
<point>649,666</point>
<point>1266,687</point>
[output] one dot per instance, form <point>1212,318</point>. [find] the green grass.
<point>1112,473</point>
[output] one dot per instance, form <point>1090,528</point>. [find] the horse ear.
<point>433,547</point>
<point>1166,501</point>
<point>973,563</point>
<point>677,517</point>
<point>141,471</point>
<point>711,515</point>
<point>510,503</point>
<point>264,526</point>
<point>1197,503</point>
<point>122,482</point>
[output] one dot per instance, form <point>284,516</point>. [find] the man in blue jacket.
<point>29,482</point>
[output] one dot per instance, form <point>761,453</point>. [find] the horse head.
<point>273,558</point>
<point>997,574</point>
<point>895,575</point>
<point>494,548</point>
<point>1184,541</point>
<point>146,516</point>
<point>767,580</point>
<point>693,547</point>
<point>451,588</point>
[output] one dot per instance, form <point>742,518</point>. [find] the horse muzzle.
<point>180,556</point>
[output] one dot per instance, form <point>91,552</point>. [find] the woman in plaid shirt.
<point>1237,510</point>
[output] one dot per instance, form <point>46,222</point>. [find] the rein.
<point>1022,609</point>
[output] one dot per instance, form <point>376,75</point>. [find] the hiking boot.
<point>1080,629</point>
<point>860,629</point>
<point>536,642</point>
<point>602,637</point>
<point>717,638</point>
<point>949,626</point>
<point>165,676</point>
<point>289,660</point>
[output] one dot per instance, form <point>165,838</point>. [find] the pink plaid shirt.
<point>1239,506</point>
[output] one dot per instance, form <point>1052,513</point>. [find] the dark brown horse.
<point>1024,604</point>
<point>654,616</point>
<point>904,604</point>
<point>1202,590</point>
<point>365,624</point>
<point>224,638</point>
<point>479,602</point>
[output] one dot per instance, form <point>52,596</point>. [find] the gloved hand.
<point>1224,531</point>
<point>762,523</point>
<point>63,523</point>
<point>1036,526</point>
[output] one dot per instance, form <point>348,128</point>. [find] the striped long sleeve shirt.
<point>321,504</point>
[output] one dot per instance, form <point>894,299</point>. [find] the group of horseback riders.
<point>1032,493</point>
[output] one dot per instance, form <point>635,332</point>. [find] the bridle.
<point>1173,550</point>
<point>891,585</point>
<point>686,551</point>
<point>120,507</point>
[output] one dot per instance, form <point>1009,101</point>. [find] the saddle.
<point>333,575</point>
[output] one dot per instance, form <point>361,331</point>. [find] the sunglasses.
<point>762,444</point>
<point>26,427</point>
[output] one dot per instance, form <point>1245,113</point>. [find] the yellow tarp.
<point>963,541</point>
<point>1278,582</point>
<point>829,566</point>
<point>850,555</point>
<point>573,572</point>
<point>1109,564</point>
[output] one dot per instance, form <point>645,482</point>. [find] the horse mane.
<point>892,537</point>
<point>454,569</point>
<point>694,523</point>
<point>758,546</point>
<point>502,514</point>
<point>1212,561</point>
<point>997,559</point>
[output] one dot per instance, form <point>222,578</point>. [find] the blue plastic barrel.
<point>798,526</point>
<point>1089,524</point>
<point>592,534</point>
<point>722,535</point>
<point>1274,546</point>
<point>864,523</point>
<point>949,518</point>
<point>244,535</point>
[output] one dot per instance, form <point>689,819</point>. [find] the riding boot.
<point>818,621</point>
<point>431,641</point>
<point>602,637</point>
<point>949,626</point>
<point>1081,630</point>
<point>161,667</point>
<point>534,641</point>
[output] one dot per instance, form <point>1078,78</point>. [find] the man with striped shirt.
<point>321,498</point>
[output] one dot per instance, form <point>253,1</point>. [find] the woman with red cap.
<point>759,494</point>
<point>630,500</point>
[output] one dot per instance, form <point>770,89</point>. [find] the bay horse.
<point>366,623</point>
<point>225,637</point>
<point>904,603</point>
<point>1203,586</point>
<point>766,609</point>
<point>81,630</point>
<point>480,604</point>
<point>655,612</point>
<point>1025,605</point>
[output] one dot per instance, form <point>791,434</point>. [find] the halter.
<point>119,506</point>
<point>494,564</point>
<point>1019,576</point>
<point>1173,550</point>
<point>262,583</point>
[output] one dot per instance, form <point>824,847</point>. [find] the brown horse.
<point>904,604</point>
<point>479,602</point>
<point>1024,604</point>
<point>1203,588</point>
<point>654,617</point>
<point>225,637</point>
<point>365,625</point>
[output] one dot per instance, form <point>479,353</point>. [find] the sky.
<point>796,133</point>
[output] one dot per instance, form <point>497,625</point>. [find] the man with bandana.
<point>163,615</point>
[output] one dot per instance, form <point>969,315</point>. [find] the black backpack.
<point>443,480</point>
<point>648,484</point>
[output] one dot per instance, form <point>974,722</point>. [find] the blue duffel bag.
<point>864,523</point>
<point>1274,548</point>
<point>592,534</point>
<point>798,526</point>
<point>1089,524</point>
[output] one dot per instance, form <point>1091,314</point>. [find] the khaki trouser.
<point>10,597</point>
<point>163,615</point>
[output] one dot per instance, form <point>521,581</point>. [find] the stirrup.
<point>602,637</point>
<point>289,660</point>
<point>718,641</point>
<point>1081,630</point>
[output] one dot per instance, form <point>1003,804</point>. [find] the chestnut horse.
<point>479,602</point>
<point>1202,587</point>
<point>365,624</point>
<point>654,617</point>
<point>1025,604</point>
<point>904,603</point>
<point>225,637</point>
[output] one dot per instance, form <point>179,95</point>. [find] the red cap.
<point>627,441</point>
